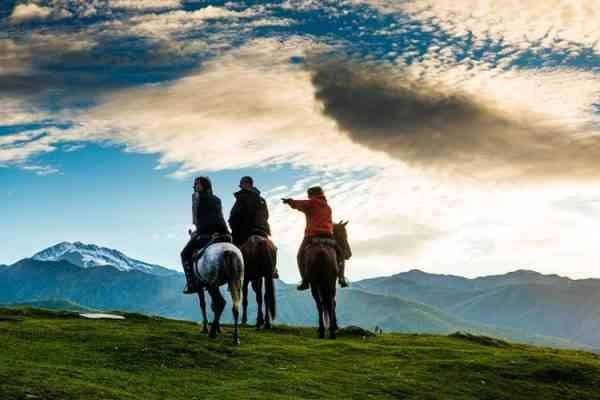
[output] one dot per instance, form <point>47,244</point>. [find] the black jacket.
<point>208,212</point>
<point>249,215</point>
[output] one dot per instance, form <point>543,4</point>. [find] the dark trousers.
<point>195,243</point>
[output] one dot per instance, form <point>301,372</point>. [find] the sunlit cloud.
<point>521,23</point>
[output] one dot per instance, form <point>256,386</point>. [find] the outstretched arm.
<point>301,205</point>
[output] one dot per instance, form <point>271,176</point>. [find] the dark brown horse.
<point>322,272</point>
<point>260,259</point>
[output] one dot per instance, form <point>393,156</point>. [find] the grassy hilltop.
<point>57,355</point>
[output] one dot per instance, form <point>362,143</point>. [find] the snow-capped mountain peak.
<point>90,256</point>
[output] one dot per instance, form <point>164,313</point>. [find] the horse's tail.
<point>234,265</point>
<point>267,255</point>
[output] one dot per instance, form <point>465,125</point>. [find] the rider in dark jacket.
<point>249,215</point>
<point>208,219</point>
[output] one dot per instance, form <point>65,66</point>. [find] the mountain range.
<point>521,305</point>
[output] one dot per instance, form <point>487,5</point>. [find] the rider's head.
<point>202,184</point>
<point>246,183</point>
<point>315,191</point>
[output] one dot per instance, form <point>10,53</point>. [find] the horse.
<point>260,258</point>
<point>321,265</point>
<point>220,263</point>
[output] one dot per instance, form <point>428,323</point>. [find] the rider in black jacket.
<point>208,219</point>
<point>249,215</point>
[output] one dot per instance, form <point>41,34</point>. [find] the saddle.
<point>216,238</point>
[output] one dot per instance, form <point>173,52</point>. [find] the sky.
<point>457,137</point>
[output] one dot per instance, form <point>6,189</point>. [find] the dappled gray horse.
<point>221,263</point>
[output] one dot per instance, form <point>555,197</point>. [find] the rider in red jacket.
<point>318,224</point>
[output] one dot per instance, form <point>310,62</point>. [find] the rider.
<point>249,215</point>
<point>208,220</point>
<point>318,224</point>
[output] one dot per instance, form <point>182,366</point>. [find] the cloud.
<point>429,124</point>
<point>249,107</point>
<point>36,12</point>
<point>41,170</point>
<point>409,243</point>
<point>145,4</point>
<point>28,12</point>
<point>520,23</point>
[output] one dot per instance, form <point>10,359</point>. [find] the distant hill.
<point>56,356</point>
<point>523,305</point>
<point>54,304</point>
<point>90,256</point>
<point>523,300</point>
<point>107,288</point>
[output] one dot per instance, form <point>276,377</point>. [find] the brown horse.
<point>322,271</point>
<point>260,259</point>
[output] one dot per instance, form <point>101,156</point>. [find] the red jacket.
<point>318,215</point>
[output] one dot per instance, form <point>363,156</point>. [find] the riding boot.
<point>190,287</point>
<point>341,278</point>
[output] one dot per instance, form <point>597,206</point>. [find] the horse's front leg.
<point>257,286</point>
<point>202,299</point>
<point>218,305</point>
<point>318,302</point>
<point>245,302</point>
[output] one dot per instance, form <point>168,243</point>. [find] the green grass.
<point>50,355</point>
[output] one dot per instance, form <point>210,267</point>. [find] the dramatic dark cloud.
<point>431,126</point>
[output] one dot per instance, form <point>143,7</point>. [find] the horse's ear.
<point>345,223</point>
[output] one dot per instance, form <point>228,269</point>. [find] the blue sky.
<point>457,137</point>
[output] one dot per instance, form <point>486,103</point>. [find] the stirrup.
<point>275,274</point>
<point>343,282</point>
<point>303,286</point>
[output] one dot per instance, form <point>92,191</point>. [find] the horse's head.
<point>341,237</point>
<point>339,230</point>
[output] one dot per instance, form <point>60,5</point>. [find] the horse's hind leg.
<point>335,322</point>
<point>235,290</point>
<point>268,293</point>
<point>218,304</point>
<point>317,297</point>
<point>257,286</point>
<point>202,299</point>
<point>245,302</point>
<point>332,315</point>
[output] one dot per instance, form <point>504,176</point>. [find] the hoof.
<point>204,329</point>
<point>321,335</point>
<point>268,326</point>
<point>236,341</point>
